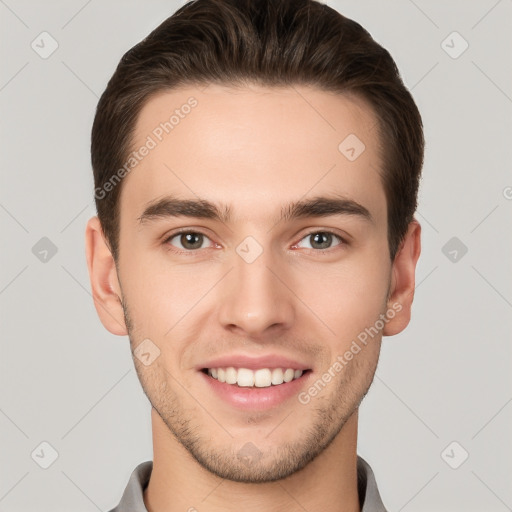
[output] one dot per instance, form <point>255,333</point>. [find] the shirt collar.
<point>133,501</point>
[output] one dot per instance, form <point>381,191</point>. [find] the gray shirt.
<point>132,499</point>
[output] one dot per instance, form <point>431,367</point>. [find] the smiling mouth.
<point>260,378</point>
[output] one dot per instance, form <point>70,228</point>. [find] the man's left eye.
<point>322,240</point>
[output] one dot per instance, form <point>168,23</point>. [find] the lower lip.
<point>253,398</point>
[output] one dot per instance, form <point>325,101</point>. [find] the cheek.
<point>348,297</point>
<point>163,299</point>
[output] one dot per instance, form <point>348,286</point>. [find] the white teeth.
<point>261,378</point>
<point>245,377</point>
<point>277,376</point>
<point>288,375</point>
<point>231,375</point>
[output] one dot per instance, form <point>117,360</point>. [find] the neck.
<point>179,483</point>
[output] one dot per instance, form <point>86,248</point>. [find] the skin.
<point>255,149</point>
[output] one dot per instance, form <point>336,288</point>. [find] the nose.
<point>256,298</point>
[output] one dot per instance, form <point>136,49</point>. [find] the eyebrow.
<point>319,206</point>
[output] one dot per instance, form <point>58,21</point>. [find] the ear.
<point>106,291</point>
<point>403,280</point>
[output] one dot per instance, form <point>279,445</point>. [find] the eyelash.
<point>171,248</point>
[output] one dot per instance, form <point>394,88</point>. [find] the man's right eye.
<point>190,240</point>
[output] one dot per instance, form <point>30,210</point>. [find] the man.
<point>256,166</point>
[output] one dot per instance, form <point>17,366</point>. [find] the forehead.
<point>254,148</point>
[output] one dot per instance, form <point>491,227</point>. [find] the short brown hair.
<point>267,42</point>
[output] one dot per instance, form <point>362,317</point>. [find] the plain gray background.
<point>68,382</point>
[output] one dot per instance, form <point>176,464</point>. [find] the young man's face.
<point>255,286</point>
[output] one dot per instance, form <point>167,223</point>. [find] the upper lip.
<point>254,363</point>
